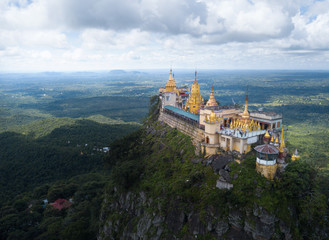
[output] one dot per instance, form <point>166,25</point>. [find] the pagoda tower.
<point>245,113</point>
<point>171,85</point>
<point>295,156</point>
<point>212,101</point>
<point>194,99</point>
<point>266,160</point>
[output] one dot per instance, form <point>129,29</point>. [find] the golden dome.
<point>213,117</point>
<point>212,101</point>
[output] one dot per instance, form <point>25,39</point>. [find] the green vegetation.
<point>26,162</point>
<point>157,161</point>
<point>27,217</point>
<point>53,125</point>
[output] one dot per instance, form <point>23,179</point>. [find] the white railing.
<point>241,134</point>
<point>266,162</point>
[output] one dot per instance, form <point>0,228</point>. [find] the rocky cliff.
<point>173,195</point>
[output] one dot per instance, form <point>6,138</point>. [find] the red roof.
<point>267,148</point>
<point>61,203</point>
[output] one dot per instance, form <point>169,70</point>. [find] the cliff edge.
<point>161,190</point>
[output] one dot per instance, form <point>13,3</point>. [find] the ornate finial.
<point>170,76</point>
<point>195,77</point>
<point>267,137</point>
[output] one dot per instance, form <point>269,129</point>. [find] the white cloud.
<point>99,39</point>
<point>33,38</point>
<point>97,34</point>
<point>24,16</point>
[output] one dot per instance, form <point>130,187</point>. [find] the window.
<point>273,125</point>
<point>167,98</point>
<point>278,124</point>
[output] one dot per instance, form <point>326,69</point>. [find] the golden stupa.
<point>171,85</point>
<point>194,99</point>
<point>212,101</point>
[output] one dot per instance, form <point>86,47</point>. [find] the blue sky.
<point>69,35</point>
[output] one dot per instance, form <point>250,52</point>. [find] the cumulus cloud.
<point>214,32</point>
<point>40,39</point>
<point>99,39</point>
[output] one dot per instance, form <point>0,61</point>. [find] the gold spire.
<point>272,139</point>
<point>171,85</point>
<point>267,135</point>
<point>212,101</point>
<point>282,144</point>
<point>245,113</point>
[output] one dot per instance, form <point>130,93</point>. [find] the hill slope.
<point>69,150</point>
<point>161,190</point>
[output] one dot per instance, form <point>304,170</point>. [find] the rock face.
<point>137,216</point>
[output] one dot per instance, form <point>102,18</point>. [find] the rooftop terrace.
<point>182,112</point>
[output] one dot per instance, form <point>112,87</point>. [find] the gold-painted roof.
<point>212,101</point>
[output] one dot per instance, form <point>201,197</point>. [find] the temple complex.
<point>214,128</point>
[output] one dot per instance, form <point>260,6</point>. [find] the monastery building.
<point>213,127</point>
